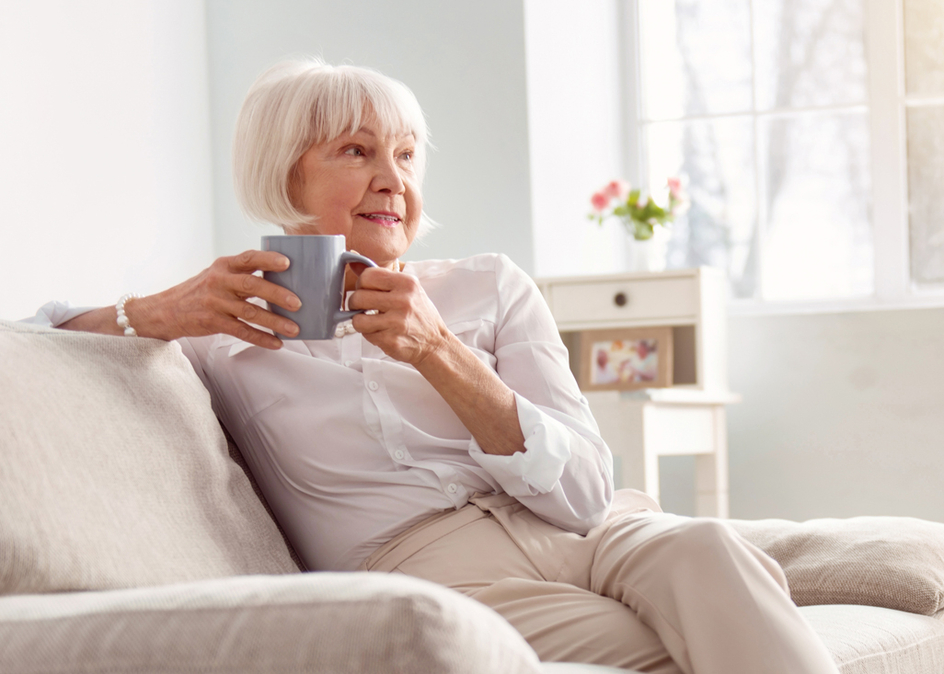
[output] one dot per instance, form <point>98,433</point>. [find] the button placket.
<point>350,350</point>
<point>390,422</point>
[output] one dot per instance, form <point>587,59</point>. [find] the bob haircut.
<point>300,103</point>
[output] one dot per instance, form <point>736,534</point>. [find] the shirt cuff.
<point>536,470</point>
<point>55,313</point>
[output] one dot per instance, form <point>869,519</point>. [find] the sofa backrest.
<point>114,471</point>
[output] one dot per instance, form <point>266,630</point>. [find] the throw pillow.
<point>892,562</point>
<point>114,471</point>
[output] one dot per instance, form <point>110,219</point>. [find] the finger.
<point>378,278</point>
<point>368,324</point>
<point>364,299</point>
<point>247,333</point>
<point>276,294</point>
<point>251,313</point>
<point>257,260</point>
<point>249,285</point>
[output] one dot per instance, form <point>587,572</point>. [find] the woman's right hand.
<point>214,301</point>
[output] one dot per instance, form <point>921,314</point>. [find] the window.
<point>924,108</point>
<point>815,158</point>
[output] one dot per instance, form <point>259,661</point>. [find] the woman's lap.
<point>537,576</point>
<point>562,622</point>
<point>646,590</point>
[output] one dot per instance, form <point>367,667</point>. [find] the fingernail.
<point>293,302</point>
<point>291,330</point>
<point>285,262</point>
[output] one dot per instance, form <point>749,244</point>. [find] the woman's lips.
<point>383,219</point>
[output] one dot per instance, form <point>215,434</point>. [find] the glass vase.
<point>649,254</point>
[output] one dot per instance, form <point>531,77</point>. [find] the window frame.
<point>887,103</point>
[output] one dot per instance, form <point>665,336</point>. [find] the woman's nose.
<point>387,177</point>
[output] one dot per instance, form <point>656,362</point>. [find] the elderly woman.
<point>443,435</point>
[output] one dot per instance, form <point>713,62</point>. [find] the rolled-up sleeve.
<point>565,474</point>
<point>55,313</point>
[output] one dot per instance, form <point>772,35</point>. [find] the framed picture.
<point>625,359</point>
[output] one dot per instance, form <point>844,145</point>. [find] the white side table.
<point>641,426</point>
<point>687,418</point>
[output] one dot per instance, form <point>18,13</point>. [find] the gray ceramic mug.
<point>316,275</point>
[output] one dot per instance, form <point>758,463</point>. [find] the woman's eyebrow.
<point>406,135</point>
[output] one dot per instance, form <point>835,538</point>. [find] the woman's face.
<point>364,186</point>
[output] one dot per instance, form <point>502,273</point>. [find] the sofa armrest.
<point>316,622</point>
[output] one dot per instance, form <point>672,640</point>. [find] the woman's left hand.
<point>408,326</point>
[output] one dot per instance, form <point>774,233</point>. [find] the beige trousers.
<point>644,590</point>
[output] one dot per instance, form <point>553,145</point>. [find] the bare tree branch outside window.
<point>801,121</point>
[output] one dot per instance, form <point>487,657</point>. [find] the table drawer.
<point>629,300</point>
<point>680,429</point>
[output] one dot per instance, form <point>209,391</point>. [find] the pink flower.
<point>616,188</point>
<point>675,187</point>
<point>599,201</point>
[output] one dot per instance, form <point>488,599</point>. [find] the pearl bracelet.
<point>123,321</point>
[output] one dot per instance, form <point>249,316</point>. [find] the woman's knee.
<point>705,536</point>
<point>678,543</point>
<point>707,543</point>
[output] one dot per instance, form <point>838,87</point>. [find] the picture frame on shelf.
<point>625,359</point>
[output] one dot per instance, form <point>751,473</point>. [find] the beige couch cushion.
<point>114,471</point>
<point>872,640</point>
<point>892,562</point>
<point>352,623</point>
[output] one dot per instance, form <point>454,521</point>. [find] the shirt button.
<point>373,386</point>
<point>348,363</point>
<point>398,454</point>
<point>452,488</point>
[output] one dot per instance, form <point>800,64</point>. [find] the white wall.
<point>842,415</point>
<point>465,63</point>
<point>576,136</point>
<point>105,170</point>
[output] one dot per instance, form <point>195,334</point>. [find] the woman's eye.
<point>408,155</point>
<point>354,151</point>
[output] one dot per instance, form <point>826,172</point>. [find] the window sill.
<point>925,299</point>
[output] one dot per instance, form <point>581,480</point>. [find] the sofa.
<point>133,539</point>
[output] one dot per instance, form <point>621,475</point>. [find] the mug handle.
<point>346,258</point>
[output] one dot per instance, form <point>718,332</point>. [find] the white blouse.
<point>351,447</point>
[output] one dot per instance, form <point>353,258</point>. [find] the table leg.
<point>711,473</point>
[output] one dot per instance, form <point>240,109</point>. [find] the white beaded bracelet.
<point>123,321</point>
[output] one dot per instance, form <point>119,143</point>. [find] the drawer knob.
<point>620,299</point>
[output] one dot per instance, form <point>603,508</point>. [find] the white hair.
<point>300,103</point>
